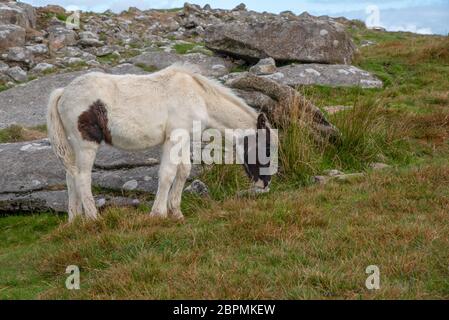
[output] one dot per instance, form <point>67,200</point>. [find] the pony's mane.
<point>211,86</point>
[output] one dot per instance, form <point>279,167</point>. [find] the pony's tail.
<point>57,134</point>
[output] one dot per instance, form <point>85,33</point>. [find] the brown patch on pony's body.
<point>93,124</point>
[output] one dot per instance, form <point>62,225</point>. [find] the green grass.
<point>113,59</point>
<point>289,245</point>
<point>20,243</point>
<point>241,68</point>
<point>102,36</point>
<point>183,48</point>
<point>109,59</point>
<point>147,68</point>
<point>298,241</point>
<point>11,134</point>
<point>60,16</point>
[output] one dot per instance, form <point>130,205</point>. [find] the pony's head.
<point>258,157</point>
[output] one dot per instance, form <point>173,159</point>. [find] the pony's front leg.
<point>167,174</point>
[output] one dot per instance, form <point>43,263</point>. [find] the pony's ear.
<point>262,121</point>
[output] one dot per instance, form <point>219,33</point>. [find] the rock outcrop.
<point>17,13</point>
<point>332,75</point>
<point>15,20</point>
<point>303,39</point>
<point>31,176</point>
<point>324,74</point>
<point>27,104</point>
<point>40,41</point>
<point>55,201</point>
<point>33,179</point>
<point>32,166</point>
<point>209,66</point>
<point>11,36</point>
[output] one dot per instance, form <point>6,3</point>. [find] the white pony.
<point>133,113</point>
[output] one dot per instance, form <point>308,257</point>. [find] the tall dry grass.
<point>300,146</point>
<point>367,134</point>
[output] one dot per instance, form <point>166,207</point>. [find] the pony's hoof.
<point>158,215</point>
<point>177,215</point>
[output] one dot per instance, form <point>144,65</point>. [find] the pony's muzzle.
<point>261,186</point>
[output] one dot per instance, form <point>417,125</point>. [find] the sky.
<point>420,16</point>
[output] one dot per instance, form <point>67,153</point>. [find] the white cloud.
<point>410,28</point>
<point>423,20</point>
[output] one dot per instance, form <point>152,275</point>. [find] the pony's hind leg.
<point>85,160</point>
<point>175,196</point>
<point>75,205</point>
<point>167,173</point>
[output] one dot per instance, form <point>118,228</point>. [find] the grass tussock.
<point>367,134</point>
<point>17,133</point>
<point>299,155</point>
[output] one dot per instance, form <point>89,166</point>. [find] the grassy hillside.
<point>299,241</point>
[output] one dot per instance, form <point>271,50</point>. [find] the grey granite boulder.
<point>43,67</point>
<point>11,36</point>
<point>27,104</point>
<point>109,158</point>
<point>329,75</point>
<point>89,39</point>
<point>142,179</point>
<point>38,49</point>
<point>56,201</point>
<point>306,39</point>
<point>17,74</point>
<point>264,66</point>
<point>318,74</point>
<point>105,50</point>
<point>39,201</point>
<point>29,166</point>
<point>33,180</point>
<point>3,66</point>
<point>60,36</point>
<point>209,66</point>
<point>20,54</point>
<point>20,14</point>
<point>127,68</point>
<point>32,166</point>
<point>198,187</point>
